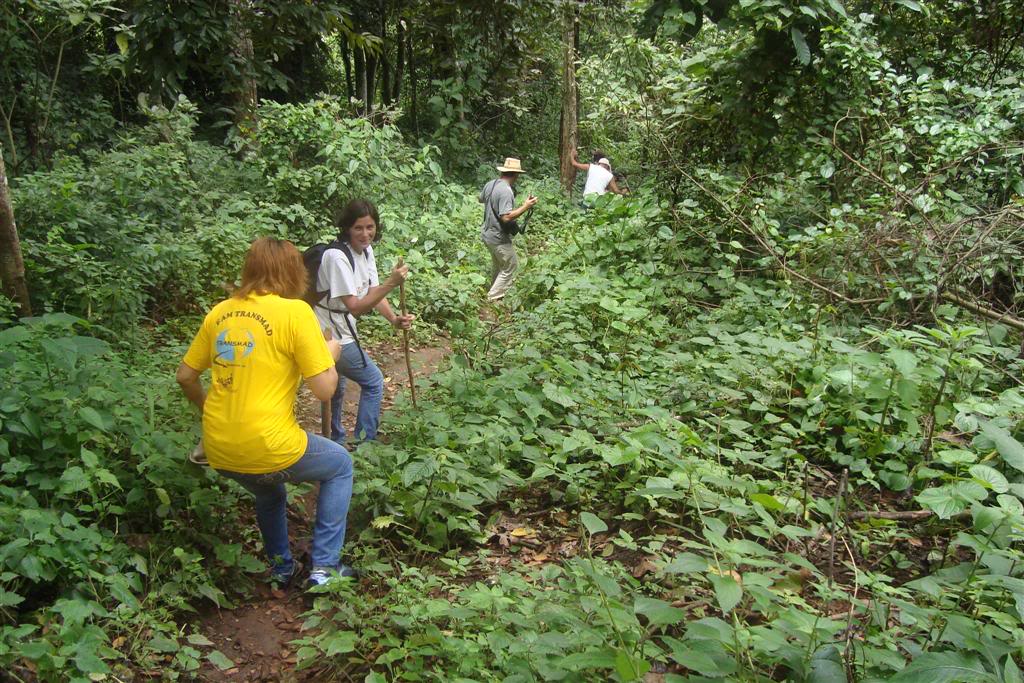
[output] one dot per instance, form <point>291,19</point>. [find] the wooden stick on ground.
<point>325,406</point>
<point>405,341</point>
<point>837,504</point>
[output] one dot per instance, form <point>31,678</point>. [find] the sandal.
<point>198,455</point>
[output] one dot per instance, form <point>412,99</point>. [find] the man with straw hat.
<point>498,227</point>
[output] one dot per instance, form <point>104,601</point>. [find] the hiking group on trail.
<point>501,215</point>
<point>293,317</point>
<point>258,345</point>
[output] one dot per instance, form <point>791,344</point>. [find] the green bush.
<point>97,501</point>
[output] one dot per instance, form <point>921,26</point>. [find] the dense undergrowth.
<point>688,426</point>
<point>737,427</point>
<point>109,536</point>
<point>700,428</point>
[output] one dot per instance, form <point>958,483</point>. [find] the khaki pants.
<point>503,267</point>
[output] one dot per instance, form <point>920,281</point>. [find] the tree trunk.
<point>385,64</point>
<point>346,59</point>
<point>396,86</point>
<point>245,91</point>
<point>412,85</point>
<point>371,82</point>
<point>568,133</point>
<point>385,81</point>
<point>361,81</point>
<point>12,267</point>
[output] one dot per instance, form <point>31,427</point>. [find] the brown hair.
<point>273,266</point>
<point>353,211</point>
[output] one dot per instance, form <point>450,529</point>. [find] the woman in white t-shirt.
<point>600,178</point>
<point>348,276</point>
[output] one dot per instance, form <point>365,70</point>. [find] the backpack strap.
<point>487,201</point>
<point>344,248</point>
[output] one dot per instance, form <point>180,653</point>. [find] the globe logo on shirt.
<point>231,349</point>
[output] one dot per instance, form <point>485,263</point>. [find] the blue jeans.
<point>324,461</point>
<point>371,393</point>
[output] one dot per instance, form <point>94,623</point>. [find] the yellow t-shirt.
<point>258,348</point>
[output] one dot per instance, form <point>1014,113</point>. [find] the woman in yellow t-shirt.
<point>259,344</point>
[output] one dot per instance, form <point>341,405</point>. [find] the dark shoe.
<point>281,580</point>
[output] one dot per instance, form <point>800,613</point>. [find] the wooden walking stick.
<point>325,419</point>
<point>405,340</point>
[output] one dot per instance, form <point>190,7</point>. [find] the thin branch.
<point>1004,318</point>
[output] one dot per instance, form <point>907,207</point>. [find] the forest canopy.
<point>756,418</point>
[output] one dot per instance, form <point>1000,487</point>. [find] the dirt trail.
<point>255,636</point>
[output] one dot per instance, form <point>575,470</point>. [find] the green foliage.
<point>149,228</point>
<point>181,49</point>
<point>88,442</point>
<point>671,394</point>
<point>690,450</point>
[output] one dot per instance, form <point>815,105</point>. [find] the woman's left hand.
<point>403,322</point>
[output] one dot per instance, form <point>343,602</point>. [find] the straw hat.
<point>511,165</point>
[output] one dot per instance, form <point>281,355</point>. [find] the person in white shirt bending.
<point>348,279</point>
<point>600,178</point>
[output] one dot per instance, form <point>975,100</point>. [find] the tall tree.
<point>246,96</point>
<point>12,267</point>
<point>568,133</point>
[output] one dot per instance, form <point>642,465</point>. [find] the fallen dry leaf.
<point>644,566</point>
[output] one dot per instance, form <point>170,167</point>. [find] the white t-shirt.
<point>598,178</point>
<point>337,277</point>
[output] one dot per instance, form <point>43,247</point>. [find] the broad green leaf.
<point>803,53</point>
<point>32,424</point>
<point>630,668</point>
<point>941,501</point>
<point>78,610</point>
<point>911,5</point>
<point>769,502</point>
<point>686,563</point>
<point>705,656</point>
<point>593,523</point>
<point>591,659</point>
<point>827,666</point>
<point>990,478</point>
<point>658,612</point>
<point>904,361</point>
<point>419,470</point>
<point>163,644</point>
<point>339,642</point>
<point>218,659</point>
<point>92,416</point>
<point>1011,672</point>
<point>558,394</point>
<point>727,591</point>
<point>944,667</point>
<point>89,663</point>
<point>199,639</point>
<point>1008,447</point>
<point>9,599</point>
